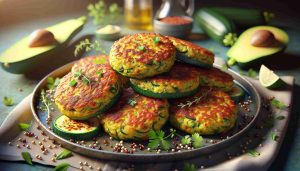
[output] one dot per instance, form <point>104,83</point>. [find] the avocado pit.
<point>41,37</point>
<point>263,38</point>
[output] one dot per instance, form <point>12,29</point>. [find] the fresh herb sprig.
<point>24,126</point>
<point>64,154</point>
<point>86,45</point>
<point>46,102</point>
<point>27,157</point>
<point>196,99</point>
<point>158,138</point>
<point>278,104</point>
<point>103,13</point>
<point>253,153</point>
<point>62,167</point>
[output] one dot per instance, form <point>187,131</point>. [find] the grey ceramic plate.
<point>245,121</point>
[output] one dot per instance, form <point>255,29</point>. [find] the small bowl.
<point>110,36</point>
<point>180,30</point>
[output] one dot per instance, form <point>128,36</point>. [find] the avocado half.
<point>20,58</point>
<point>245,54</point>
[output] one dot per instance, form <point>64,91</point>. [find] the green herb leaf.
<point>189,167</point>
<point>278,104</point>
<point>100,73</point>
<point>153,143</point>
<point>156,40</point>
<point>186,140</point>
<point>24,126</point>
<point>197,140</point>
<point>165,145</point>
<point>62,167</point>
<point>100,60</point>
<point>86,81</point>
<point>131,102</point>
<point>142,48</point>
<point>27,157</point>
<point>7,101</point>
<point>72,83</point>
<point>52,83</point>
<point>252,73</point>
<point>64,154</point>
<point>274,136</point>
<point>77,74</point>
<point>253,153</point>
<point>280,117</point>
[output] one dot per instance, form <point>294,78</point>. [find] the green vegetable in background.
<point>104,14</point>
<point>245,17</point>
<point>216,26</point>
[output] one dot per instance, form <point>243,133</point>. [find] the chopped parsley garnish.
<point>156,40</point>
<point>73,83</point>
<point>278,104</point>
<point>253,153</point>
<point>86,81</point>
<point>7,101</point>
<point>99,73</point>
<point>24,126</point>
<point>131,102</point>
<point>141,48</point>
<point>250,73</point>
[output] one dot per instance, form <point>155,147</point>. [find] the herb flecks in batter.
<point>80,76</point>
<point>131,102</point>
<point>156,40</point>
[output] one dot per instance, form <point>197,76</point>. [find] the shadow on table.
<point>285,151</point>
<point>63,57</point>
<point>284,61</point>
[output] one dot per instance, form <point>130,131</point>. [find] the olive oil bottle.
<point>138,14</point>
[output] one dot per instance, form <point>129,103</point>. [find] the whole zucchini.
<point>243,17</point>
<point>216,26</point>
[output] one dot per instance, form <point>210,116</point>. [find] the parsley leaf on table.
<point>278,104</point>
<point>157,138</point>
<point>7,101</point>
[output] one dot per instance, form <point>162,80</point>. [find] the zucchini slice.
<point>162,95</point>
<point>237,93</point>
<point>77,130</point>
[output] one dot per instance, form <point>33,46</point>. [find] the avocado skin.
<point>257,62</point>
<point>28,65</point>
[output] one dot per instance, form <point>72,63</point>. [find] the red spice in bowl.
<point>176,20</point>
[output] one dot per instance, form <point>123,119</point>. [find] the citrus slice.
<point>268,78</point>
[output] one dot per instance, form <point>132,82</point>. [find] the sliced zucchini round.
<point>237,93</point>
<point>162,95</point>
<point>74,129</point>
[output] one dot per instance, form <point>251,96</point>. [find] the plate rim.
<point>137,157</point>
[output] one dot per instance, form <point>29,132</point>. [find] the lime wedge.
<point>268,78</point>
